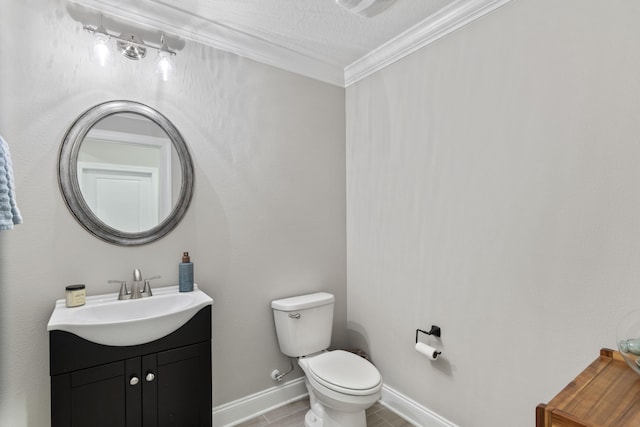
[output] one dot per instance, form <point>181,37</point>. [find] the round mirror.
<point>125,173</point>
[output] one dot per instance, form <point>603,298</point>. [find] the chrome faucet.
<point>135,286</point>
<point>136,291</point>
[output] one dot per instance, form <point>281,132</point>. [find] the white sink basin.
<point>105,320</point>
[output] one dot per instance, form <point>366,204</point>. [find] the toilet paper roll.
<point>428,351</point>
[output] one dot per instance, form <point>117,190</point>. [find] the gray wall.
<point>267,219</point>
<point>492,189</point>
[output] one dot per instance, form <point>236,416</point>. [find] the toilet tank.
<point>304,323</point>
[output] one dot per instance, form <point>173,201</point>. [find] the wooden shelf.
<point>605,394</point>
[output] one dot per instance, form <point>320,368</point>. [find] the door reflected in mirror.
<point>129,173</point>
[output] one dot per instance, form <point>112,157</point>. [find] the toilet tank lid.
<point>303,301</point>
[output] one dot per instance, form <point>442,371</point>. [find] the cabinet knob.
<point>150,376</point>
<point>134,380</point>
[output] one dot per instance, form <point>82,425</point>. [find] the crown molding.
<point>448,19</point>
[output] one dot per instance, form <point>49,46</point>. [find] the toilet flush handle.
<point>294,315</point>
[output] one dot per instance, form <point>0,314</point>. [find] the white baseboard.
<point>248,407</point>
<point>411,410</point>
<point>232,413</point>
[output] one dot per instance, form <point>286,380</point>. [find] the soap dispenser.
<point>185,280</point>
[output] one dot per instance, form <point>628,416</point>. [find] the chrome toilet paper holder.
<point>435,331</point>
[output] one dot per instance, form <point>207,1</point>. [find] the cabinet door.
<point>101,396</point>
<point>181,387</point>
<point>98,396</point>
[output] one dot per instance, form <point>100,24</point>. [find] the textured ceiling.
<point>318,28</point>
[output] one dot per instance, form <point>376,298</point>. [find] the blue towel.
<point>9,213</point>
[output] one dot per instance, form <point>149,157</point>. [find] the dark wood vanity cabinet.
<point>165,383</point>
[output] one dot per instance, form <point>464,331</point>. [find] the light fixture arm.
<point>101,30</point>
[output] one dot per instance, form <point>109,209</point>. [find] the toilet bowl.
<point>344,384</point>
<point>341,385</point>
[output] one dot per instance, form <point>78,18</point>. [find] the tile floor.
<point>292,415</point>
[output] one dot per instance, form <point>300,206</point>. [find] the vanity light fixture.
<point>131,47</point>
<point>101,48</point>
<point>164,65</point>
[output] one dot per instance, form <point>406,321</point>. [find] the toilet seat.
<point>345,373</point>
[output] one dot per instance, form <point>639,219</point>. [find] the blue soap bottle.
<point>185,279</point>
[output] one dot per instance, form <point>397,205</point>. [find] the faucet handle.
<point>147,288</point>
<point>124,293</point>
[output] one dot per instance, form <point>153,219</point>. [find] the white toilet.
<point>341,385</point>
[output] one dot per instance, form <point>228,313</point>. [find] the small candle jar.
<point>75,295</point>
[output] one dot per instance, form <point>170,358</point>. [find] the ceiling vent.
<point>366,8</point>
